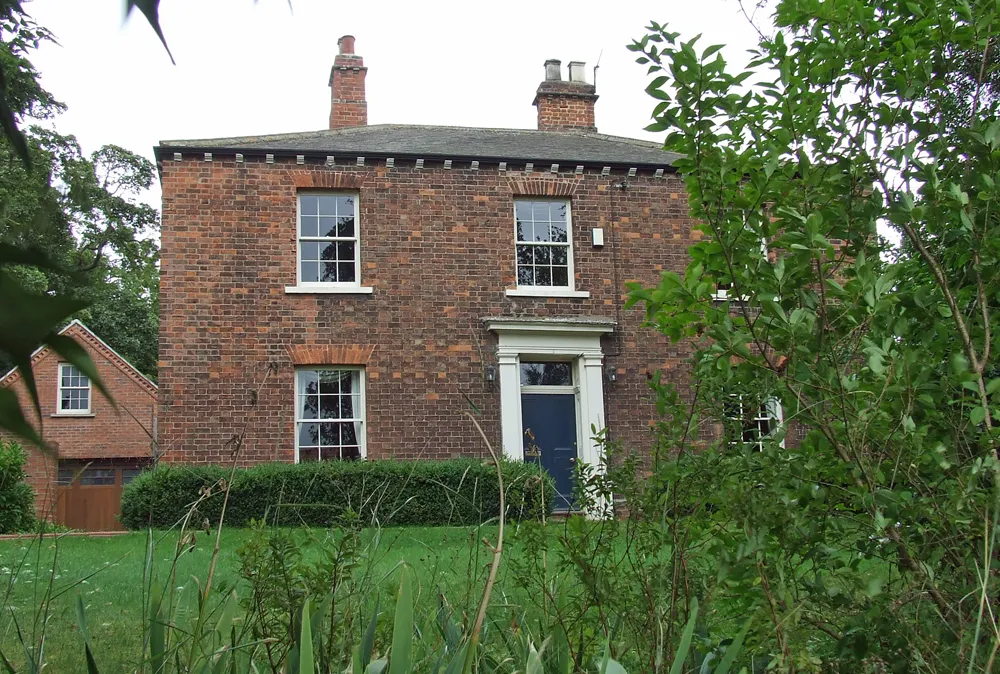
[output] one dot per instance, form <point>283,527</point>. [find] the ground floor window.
<point>329,414</point>
<point>749,421</point>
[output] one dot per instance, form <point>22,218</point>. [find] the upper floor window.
<point>74,390</point>
<point>750,422</point>
<point>544,243</point>
<point>328,240</point>
<point>329,414</point>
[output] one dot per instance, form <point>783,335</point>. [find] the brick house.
<point>370,281</point>
<point>99,449</point>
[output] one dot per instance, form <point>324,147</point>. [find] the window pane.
<point>329,381</point>
<point>328,205</point>
<point>525,256</point>
<point>308,435</point>
<point>541,232</point>
<point>348,434</point>
<point>308,225</point>
<point>328,226</point>
<point>65,402</point>
<point>328,272</point>
<point>65,477</point>
<point>560,255</point>
<point>348,379</point>
<point>522,210</point>
<point>540,211</point>
<point>347,406</point>
<point>307,454</point>
<point>307,205</point>
<point>345,225</point>
<point>525,276</point>
<point>542,255</point>
<point>525,232</point>
<point>347,272</point>
<point>560,276</point>
<point>345,206</point>
<point>547,374</point>
<point>308,407</point>
<point>129,474</point>
<point>309,250</point>
<point>84,399</point>
<point>328,251</point>
<point>345,251</point>
<point>309,272</point>
<point>92,477</point>
<point>557,232</point>
<point>557,211</point>
<point>329,407</point>
<point>308,381</point>
<point>350,453</point>
<point>543,276</point>
<point>329,435</point>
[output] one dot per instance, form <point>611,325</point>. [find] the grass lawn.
<point>452,560</point>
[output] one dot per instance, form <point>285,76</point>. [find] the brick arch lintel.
<point>328,354</point>
<point>543,187</point>
<point>330,180</point>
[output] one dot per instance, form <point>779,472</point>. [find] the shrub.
<point>392,492</point>
<point>16,497</point>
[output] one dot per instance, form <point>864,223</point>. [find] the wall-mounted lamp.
<point>611,373</point>
<point>491,373</point>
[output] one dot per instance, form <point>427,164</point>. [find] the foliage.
<point>865,529</point>
<point>72,230</point>
<point>459,491</point>
<point>17,501</point>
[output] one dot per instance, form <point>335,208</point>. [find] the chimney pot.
<point>578,72</point>
<point>553,70</point>
<point>346,44</point>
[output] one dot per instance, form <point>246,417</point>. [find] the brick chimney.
<point>347,84</point>
<point>565,105</point>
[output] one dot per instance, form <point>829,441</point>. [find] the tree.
<point>865,528</point>
<point>71,229</point>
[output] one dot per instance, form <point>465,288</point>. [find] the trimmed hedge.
<point>17,500</point>
<point>392,492</point>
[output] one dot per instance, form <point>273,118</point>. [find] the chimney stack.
<point>347,83</point>
<point>565,105</point>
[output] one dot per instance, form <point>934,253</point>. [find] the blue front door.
<point>549,424</point>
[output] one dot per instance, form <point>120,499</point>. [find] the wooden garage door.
<point>90,493</point>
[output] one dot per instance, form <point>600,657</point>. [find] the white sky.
<point>261,67</point>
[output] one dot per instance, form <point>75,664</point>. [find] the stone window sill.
<point>73,416</point>
<point>333,290</point>
<point>547,292</point>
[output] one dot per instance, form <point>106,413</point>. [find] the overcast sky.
<point>254,68</point>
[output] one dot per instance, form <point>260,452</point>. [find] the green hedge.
<point>17,500</point>
<point>396,493</point>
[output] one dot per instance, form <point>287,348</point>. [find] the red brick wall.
<point>566,106</point>
<point>108,433</point>
<point>438,248</point>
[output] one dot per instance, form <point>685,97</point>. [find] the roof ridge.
<point>116,358</point>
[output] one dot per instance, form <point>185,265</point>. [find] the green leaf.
<point>306,665</point>
<point>402,629</point>
<point>977,415</point>
<point>685,644</point>
<point>733,650</point>
<point>367,642</point>
<point>151,10</point>
<point>81,617</point>
<point>156,632</point>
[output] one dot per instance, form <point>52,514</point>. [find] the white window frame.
<point>60,388</point>
<point>775,418</point>
<point>568,290</point>
<point>328,286</point>
<point>360,415</point>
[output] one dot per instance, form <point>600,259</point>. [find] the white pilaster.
<point>510,405</point>
<point>591,405</point>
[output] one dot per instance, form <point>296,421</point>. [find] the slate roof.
<point>401,140</point>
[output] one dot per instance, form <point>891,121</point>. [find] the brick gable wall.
<point>437,246</point>
<point>106,434</point>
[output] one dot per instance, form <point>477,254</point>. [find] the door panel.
<point>548,422</point>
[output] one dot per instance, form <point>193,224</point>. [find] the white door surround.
<point>577,339</point>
